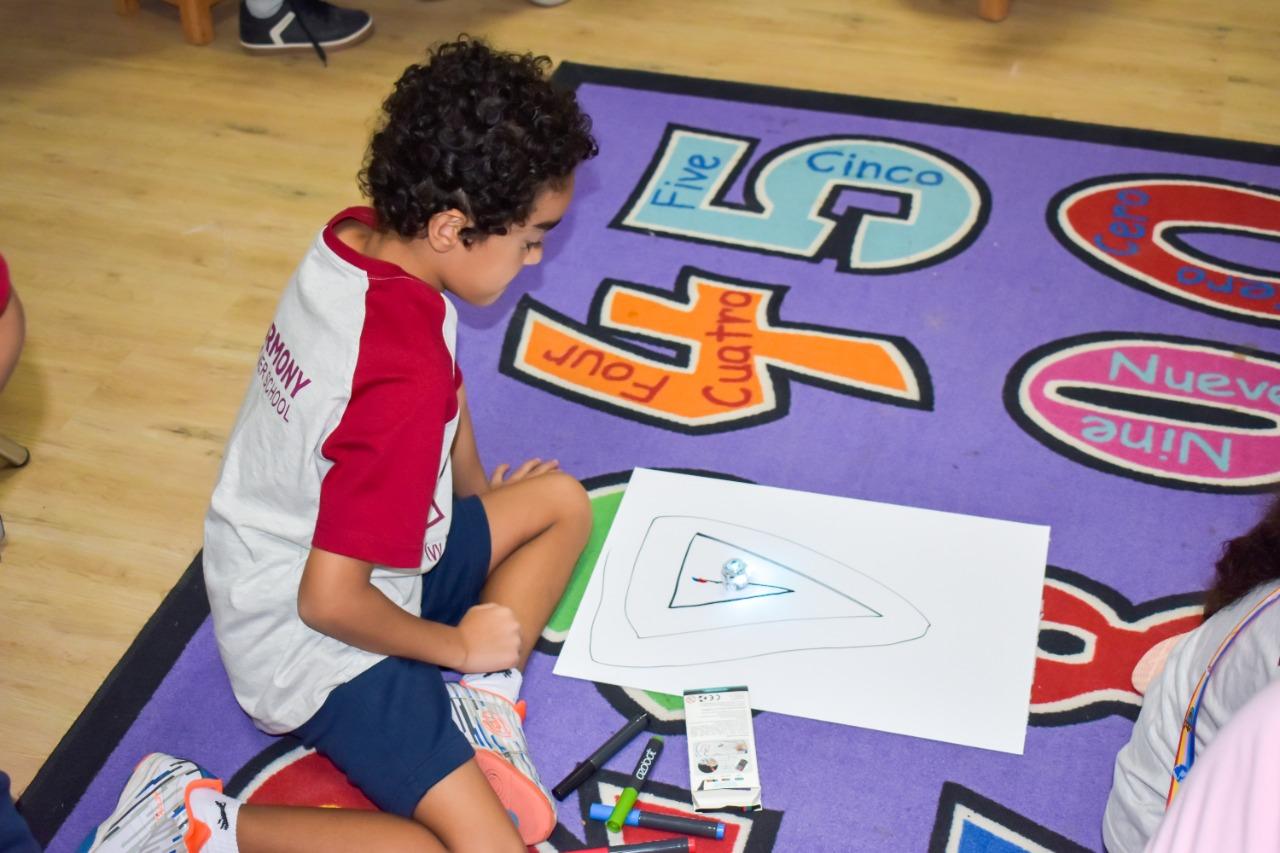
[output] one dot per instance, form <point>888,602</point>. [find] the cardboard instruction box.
<point>723,769</point>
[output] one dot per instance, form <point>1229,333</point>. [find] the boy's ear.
<point>444,229</point>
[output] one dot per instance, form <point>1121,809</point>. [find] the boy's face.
<point>480,273</point>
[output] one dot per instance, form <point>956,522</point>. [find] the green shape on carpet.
<point>604,506</point>
<point>666,700</point>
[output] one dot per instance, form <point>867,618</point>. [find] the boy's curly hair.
<point>474,129</point>
<point>1246,562</point>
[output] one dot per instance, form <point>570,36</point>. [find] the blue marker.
<point>665,822</point>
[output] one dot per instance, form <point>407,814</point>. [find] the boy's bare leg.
<point>538,528</point>
<point>464,813</point>
<point>459,814</point>
<point>280,829</point>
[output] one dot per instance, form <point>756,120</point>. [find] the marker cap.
<point>580,774</point>
<point>619,814</point>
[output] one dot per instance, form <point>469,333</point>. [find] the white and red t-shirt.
<point>342,442</point>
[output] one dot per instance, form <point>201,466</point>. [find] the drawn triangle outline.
<point>690,593</point>
<point>724,596</point>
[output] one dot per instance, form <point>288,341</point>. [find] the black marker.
<point>632,792</point>
<point>598,758</point>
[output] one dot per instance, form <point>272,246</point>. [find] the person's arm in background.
<point>15,835</point>
<point>13,326</point>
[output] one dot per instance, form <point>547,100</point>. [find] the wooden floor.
<point>154,198</point>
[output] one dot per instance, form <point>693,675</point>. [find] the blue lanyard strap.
<point>1185,754</point>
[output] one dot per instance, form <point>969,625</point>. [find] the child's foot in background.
<point>271,26</point>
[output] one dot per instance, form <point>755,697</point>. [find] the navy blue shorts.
<point>390,729</point>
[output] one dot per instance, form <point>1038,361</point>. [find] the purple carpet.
<point>1032,320</point>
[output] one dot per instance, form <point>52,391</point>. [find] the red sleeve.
<point>386,450</point>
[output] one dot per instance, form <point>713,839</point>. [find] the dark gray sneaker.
<point>304,25</point>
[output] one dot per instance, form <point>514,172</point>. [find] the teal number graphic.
<point>927,205</point>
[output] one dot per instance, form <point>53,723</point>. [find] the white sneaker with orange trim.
<point>493,725</point>
<point>152,815</point>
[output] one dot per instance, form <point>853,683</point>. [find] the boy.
<point>354,543</point>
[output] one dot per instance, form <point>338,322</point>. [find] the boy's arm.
<point>468,472</point>
<point>336,598</point>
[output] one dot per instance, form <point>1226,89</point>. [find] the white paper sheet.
<point>905,620</point>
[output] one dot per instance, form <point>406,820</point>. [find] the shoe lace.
<point>296,7</point>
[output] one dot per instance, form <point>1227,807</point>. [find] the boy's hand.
<point>490,639</point>
<point>531,468</point>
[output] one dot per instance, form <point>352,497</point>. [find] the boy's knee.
<point>577,502</point>
<point>569,496</point>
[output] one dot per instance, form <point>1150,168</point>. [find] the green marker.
<point>629,794</point>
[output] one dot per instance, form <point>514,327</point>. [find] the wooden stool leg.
<point>197,20</point>
<point>126,7</point>
<point>994,10</point>
<point>13,453</point>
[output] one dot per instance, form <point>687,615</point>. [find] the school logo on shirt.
<point>282,376</point>
<point>433,551</point>
<point>435,515</point>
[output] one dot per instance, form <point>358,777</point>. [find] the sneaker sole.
<point>306,47</point>
<point>535,816</point>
